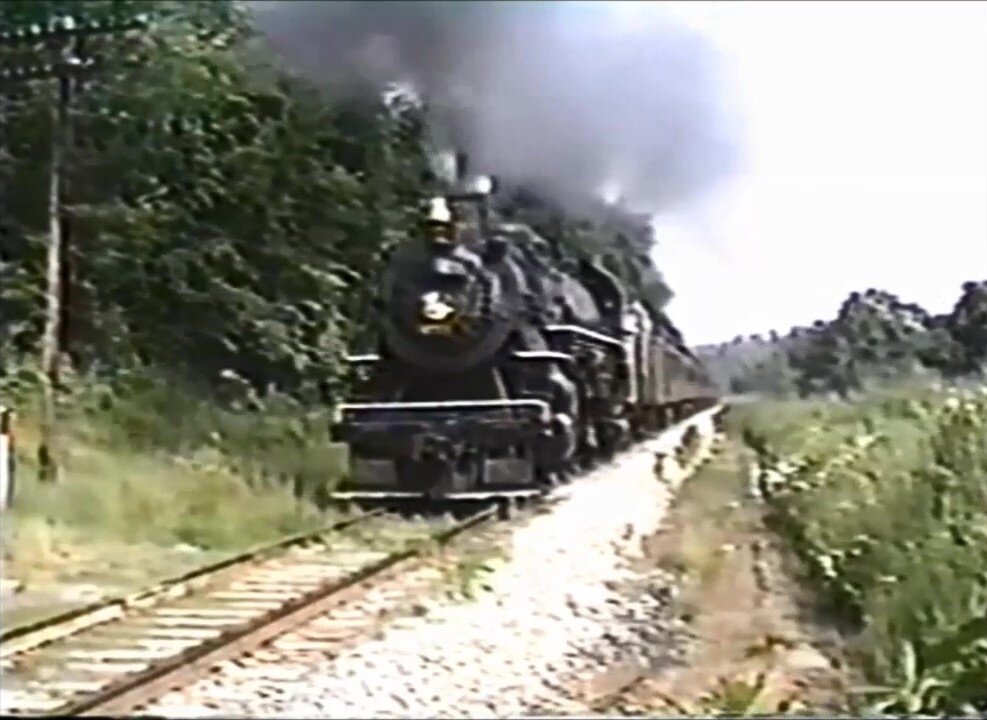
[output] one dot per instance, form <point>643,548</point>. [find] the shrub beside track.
<point>886,503</point>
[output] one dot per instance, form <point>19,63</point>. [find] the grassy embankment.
<point>885,502</point>
<point>153,484</point>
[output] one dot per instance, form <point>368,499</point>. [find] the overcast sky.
<point>865,165</point>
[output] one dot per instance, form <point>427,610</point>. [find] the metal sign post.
<point>7,461</point>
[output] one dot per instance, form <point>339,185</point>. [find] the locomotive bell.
<point>439,212</point>
<point>440,221</point>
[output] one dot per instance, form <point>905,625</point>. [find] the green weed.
<point>470,570</point>
<point>147,462</point>
<point>886,502</point>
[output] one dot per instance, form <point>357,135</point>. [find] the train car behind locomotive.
<point>502,366</point>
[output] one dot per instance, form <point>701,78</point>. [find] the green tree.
<point>60,40</point>
<point>967,326</point>
<point>223,212</point>
<point>881,333</point>
<point>823,362</point>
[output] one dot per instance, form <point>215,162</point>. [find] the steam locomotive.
<point>502,365</point>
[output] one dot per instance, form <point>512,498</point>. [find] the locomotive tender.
<point>503,366</point>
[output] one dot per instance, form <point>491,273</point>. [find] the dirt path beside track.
<point>756,643</point>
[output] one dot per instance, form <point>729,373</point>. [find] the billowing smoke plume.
<point>560,95</point>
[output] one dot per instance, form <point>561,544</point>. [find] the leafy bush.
<point>887,504</point>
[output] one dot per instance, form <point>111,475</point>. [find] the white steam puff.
<point>564,96</point>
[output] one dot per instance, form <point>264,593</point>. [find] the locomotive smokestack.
<point>462,166</point>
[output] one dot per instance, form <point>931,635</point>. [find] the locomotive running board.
<point>584,332</point>
<point>542,355</point>
<point>368,358</point>
<point>540,405</point>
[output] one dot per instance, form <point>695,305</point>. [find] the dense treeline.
<point>875,337</point>
<point>224,218</point>
<point>219,217</point>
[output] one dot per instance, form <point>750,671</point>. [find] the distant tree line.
<point>875,337</point>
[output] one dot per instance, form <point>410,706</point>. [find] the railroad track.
<point>320,590</point>
<point>117,656</point>
<point>21,638</point>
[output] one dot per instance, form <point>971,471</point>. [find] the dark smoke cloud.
<point>556,94</point>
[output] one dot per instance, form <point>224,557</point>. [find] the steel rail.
<point>120,697</point>
<point>30,635</point>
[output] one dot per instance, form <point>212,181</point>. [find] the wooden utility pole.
<point>65,35</point>
<point>61,142</point>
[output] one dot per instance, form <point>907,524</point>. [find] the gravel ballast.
<point>565,606</point>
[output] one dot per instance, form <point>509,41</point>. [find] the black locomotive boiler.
<point>502,367</point>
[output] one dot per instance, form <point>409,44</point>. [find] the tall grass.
<point>886,502</point>
<point>146,460</point>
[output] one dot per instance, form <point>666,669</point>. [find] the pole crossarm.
<point>67,27</point>
<point>69,33</point>
<point>72,67</point>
